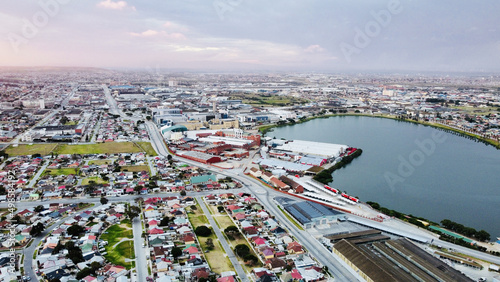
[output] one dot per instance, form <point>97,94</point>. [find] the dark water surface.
<point>413,169</point>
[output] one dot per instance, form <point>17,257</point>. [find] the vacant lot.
<point>22,150</point>
<point>61,171</point>
<point>146,146</point>
<point>197,218</point>
<point>217,258</point>
<point>100,162</point>
<point>268,100</point>
<point>137,168</point>
<point>96,179</point>
<point>224,221</point>
<point>101,148</point>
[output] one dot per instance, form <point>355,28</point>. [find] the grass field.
<point>271,100</point>
<point>224,221</point>
<point>137,168</point>
<point>100,148</point>
<point>146,146</point>
<point>122,251</point>
<point>100,162</point>
<point>477,110</point>
<point>197,218</point>
<point>61,171</point>
<point>117,254</point>
<point>23,149</point>
<point>96,179</point>
<point>216,257</point>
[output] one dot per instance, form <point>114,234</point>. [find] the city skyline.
<point>225,35</point>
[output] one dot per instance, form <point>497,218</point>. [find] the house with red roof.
<point>156,231</point>
<point>191,250</point>
<point>226,279</point>
<point>295,248</point>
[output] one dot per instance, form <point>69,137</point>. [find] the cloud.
<point>118,5</point>
<point>153,33</point>
<point>146,33</point>
<point>314,49</point>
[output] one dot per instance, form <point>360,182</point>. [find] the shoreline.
<point>264,129</point>
<point>269,127</point>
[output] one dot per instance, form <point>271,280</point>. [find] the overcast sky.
<point>253,35</point>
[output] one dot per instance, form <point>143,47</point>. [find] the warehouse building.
<point>394,260</point>
<point>199,157</point>
<point>311,214</point>
<point>305,148</point>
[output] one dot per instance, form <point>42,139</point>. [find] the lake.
<point>412,168</point>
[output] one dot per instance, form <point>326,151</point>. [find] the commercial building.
<point>199,157</point>
<point>311,214</point>
<point>395,260</point>
<point>304,148</point>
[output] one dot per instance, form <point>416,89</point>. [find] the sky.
<point>253,35</point>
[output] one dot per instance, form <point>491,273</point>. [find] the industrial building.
<point>199,157</point>
<point>311,214</point>
<point>308,148</point>
<point>394,260</point>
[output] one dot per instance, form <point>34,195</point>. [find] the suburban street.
<point>141,265</point>
<point>29,268</point>
<point>265,195</point>
<point>230,254</point>
<point>37,175</point>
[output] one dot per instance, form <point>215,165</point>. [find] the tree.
<point>74,253</point>
<point>242,250</point>
<point>38,208</point>
<point>75,230</point>
<point>176,252</point>
<point>64,120</point>
<point>203,231</point>
<point>193,207</point>
<point>104,200</point>
<point>250,259</point>
<point>133,211</point>
<point>165,221</point>
<point>231,230</point>
<point>58,248</point>
<point>37,229</point>
<point>210,244</point>
<point>84,273</point>
<point>138,188</point>
<point>220,209</point>
<point>482,235</point>
<point>183,193</point>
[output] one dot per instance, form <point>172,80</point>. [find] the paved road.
<point>230,254</point>
<point>96,130</point>
<point>141,265</point>
<point>37,175</point>
<point>265,197</point>
<point>30,251</point>
<point>151,165</point>
<point>113,106</point>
